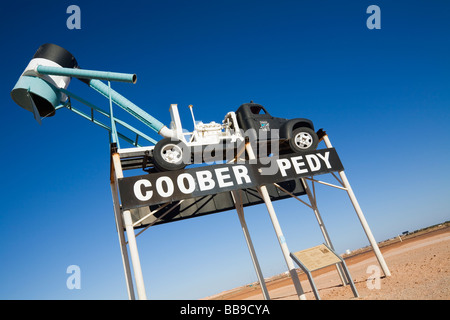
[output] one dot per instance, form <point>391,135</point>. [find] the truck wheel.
<point>303,139</point>
<point>169,155</point>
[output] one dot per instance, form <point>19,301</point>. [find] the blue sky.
<point>382,95</point>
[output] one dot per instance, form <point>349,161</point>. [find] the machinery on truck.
<point>42,89</point>
<point>249,120</point>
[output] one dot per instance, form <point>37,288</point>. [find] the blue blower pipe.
<point>87,74</point>
<point>92,78</point>
<point>50,71</point>
<point>127,105</point>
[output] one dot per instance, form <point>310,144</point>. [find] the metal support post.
<point>361,217</point>
<point>128,224</point>
<point>138,277</point>
<point>282,241</point>
<point>237,197</point>
<point>312,201</point>
<point>276,225</point>
<point>309,275</point>
<point>116,171</point>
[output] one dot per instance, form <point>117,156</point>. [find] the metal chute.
<point>42,89</point>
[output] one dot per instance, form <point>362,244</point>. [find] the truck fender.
<point>290,125</point>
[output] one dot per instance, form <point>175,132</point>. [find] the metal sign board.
<point>200,206</point>
<point>170,186</point>
<point>317,257</point>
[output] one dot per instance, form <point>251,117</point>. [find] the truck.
<point>250,120</point>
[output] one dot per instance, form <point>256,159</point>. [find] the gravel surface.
<point>420,270</point>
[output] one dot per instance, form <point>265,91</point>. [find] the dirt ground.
<point>419,266</point>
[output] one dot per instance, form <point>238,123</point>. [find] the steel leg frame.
<point>237,198</point>
<point>313,206</point>
<point>134,254</point>
<point>312,201</point>
<point>309,275</point>
<point>126,221</point>
<point>122,241</point>
<point>311,280</point>
<point>360,215</point>
<point>121,222</point>
<point>281,239</point>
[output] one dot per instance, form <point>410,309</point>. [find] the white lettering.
<point>138,190</point>
<point>266,309</point>
<point>205,180</point>
<point>283,164</point>
<point>221,176</point>
<point>160,189</point>
<point>325,158</point>
<point>313,162</point>
<point>297,165</point>
<point>197,310</point>
<point>213,178</point>
<point>190,180</point>
<point>241,172</point>
<point>244,309</point>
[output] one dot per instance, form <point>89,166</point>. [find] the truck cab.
<point>294,135</point>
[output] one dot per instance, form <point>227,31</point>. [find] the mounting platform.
<point>162,197</point>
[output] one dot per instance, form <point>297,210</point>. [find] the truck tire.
<point>303,139</point>
<point>169,155</point>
